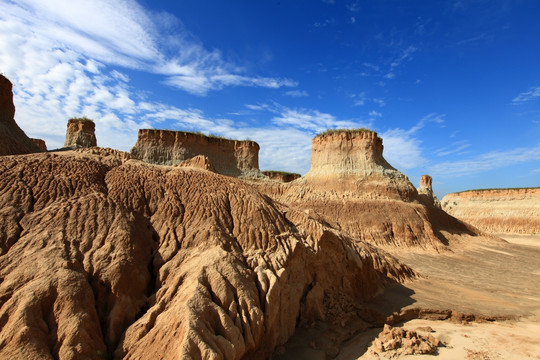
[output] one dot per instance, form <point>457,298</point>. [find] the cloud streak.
<point>526,96</point>
<point>486,162</point>
<point>123,33</point>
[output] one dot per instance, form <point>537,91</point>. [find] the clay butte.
<point>13,140</point>
<point>229,157</point>
<point>425,192</point>
<point>497,210</point>
<point>351,187</point>
<point>352,160</point>
<point>81,132</point>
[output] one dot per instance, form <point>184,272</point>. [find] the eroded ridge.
<point>118,257</point>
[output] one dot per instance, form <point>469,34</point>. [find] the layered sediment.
<point>80,133</point>
<point>229,157</point>
<point>13,140</point>
<point>351,187</point>
<point>497,210</point>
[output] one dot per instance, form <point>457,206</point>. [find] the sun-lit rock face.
<point>229,157</point>
<point>80,133</point>
<point>13,140</point>
<point>351,187</point>
<point>352,161</point>
<point>497,210</point>
<point>425,192</point>
<point>103,256</point>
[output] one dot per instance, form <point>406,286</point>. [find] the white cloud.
<point>297,93</point>
<point>533,93</point>
<point>374,113</point>
<point>312,120</point>
<point>117,32</point>
<point>402,148</point>
<point>485,162</point>
<point>457,147</point>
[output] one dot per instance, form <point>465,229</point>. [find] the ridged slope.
<point>103,256</point>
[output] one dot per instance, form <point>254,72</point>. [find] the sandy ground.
<point>493,280</point>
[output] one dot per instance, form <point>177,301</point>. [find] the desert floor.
<point>495,284</point>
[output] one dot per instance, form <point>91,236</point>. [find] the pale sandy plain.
<point>493,287</point>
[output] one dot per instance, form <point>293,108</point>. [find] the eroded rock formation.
<point>13,140</point>
<point>81,133</point>
<point>351,187</point>
<point>497,210</point>
<point>103,256</point>
<point>40,144</point>
<point>229,157</point>
<point>281,176</point>
<point>425,192</point>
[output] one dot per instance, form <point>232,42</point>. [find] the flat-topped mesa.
<point>514,211</point>
<point>229,157</point>
<point>353,160</point>
<point>13,140</point>
<point>81,133</point>
<point>425,192</point>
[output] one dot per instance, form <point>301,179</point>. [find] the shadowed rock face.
<point>282,176</point>
<point>103,256</point>
<point>229,157</point>
<point>497,210</point>
<point>13,140</point>
<point>80,133</point>
<point>40,143</point>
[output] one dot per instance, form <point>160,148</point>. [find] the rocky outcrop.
<point>40,144</point>
<point>81,133</point>
<point>425,192</point>
<point>281,176</point>
<point>229,157</point>
<point>397,342</point>
<point>103,256</point>
<point>353,161</point>
<point>198,162</point>
<point>13,140</point>
<point>352,188</point>
<point>497,210</point>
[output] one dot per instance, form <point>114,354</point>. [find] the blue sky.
<point>452,87</point>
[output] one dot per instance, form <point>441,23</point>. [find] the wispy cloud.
<point>529,95</point>
<point>457,147</point>
<point>402,147</point>
<point>361,99</point>
<point>297,93</point>
<point>485,162</point>
<point>122,33</point>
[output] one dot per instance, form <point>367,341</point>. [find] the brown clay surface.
<point>481,302</point>
<point>514,211</point>
<point>105,256</point>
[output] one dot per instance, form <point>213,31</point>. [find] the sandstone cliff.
<point>81,132</point>
<point>103,256</point>
<point>229,157</point>
<point>497,210</point>
<point>425,192</point>
<point>12,139</point>
<point>352,188</point>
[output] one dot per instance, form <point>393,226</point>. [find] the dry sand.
<point>493,284</point>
